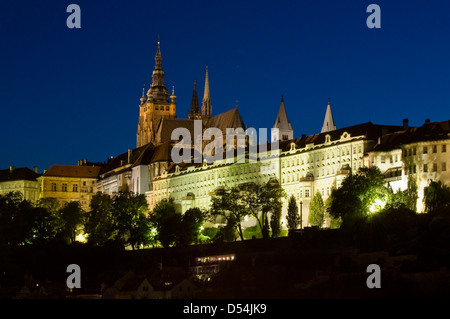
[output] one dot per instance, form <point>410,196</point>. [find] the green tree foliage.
<point>293,217</point>
<point>249,199</point>
<point>316,211</point>
<point>130,219</point>
<point>191,222</point>
<point>15,224</point>
<point>99,224</point>
<point>436,194</point>
<point>272,204</point>
<point>275,221</point>
<point>72,216</point>
<point>227,203</point>
<point>166,221</point>
<point>358,192</point>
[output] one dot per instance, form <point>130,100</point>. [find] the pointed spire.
<point>173,96</point>
<point>157,91</point>
<point>328,123</point>
<point>206,105</point>
<point>143,98</point>
<point>194,112</point>
<point>282,123</point>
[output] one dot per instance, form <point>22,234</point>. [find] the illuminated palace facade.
<point>304,165</point>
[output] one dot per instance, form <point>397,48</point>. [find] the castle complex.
<point>304,165</point>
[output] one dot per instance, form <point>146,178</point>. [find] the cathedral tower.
<point>206,105</point>
<point>156,105</point>
<point>194,112</point>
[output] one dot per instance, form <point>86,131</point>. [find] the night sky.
<point>71,94</point>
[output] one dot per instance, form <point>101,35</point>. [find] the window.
<point>84,183</point>
<point>75,188</point>
<point>328,190</point>
<point>285,137</point>
<point>64,187</point>
<point>414,151</point>
<point>444,148</point>
<point>425,149</point>
<point>425,168</point>
<point>434,148</point>
<point>383,159</point>
<point>306,192</point>
<point>444,166</point>
<point>434,167</point>
<point>53,187</point>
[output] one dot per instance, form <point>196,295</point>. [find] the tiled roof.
<point>23,173</point>
<point>73,171</point>
<point>427,132</point>
<point>369,130</point>
<point>228,119</point>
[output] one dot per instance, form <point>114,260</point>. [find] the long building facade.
<point>303,165</point>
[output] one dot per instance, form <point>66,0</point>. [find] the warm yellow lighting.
<point>81,238</point>
<point>377,205</point>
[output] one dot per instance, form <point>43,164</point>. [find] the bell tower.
<point>157,105</point>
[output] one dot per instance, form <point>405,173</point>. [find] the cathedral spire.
<point>194,112</point>
<point>157,91</point>
<point>206,105</point>
<point>328,123</point>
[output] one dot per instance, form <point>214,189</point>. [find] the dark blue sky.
<point>70,94</point>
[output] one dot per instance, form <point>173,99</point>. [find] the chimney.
<point>405,124</point>
<point>11,169</point>
<point>129,155</point>
<point>35,169</point>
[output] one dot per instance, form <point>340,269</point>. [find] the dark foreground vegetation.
<point>413,251</point>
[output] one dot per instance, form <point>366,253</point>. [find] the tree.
<point>46,225</point>
<point>227,203</point>
<point>316,211</point>
<point>358,195</point>
<point>166,221</point>
<point>15,221</point>
<point>99,224</point>
<point>436,194</point>
<point>275,222</point>
<point>72,216</point>
<point>272,204</point>
<point>293,218</point>
<point>130,219</point>
<point>190,225</point>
